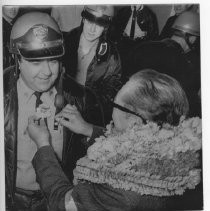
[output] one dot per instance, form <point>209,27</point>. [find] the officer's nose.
<point>47,71</point>
<point>92,27</point>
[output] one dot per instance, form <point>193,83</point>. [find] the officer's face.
<point>10,12</point>
<point>92,31</point>
<point>179,8</point>
<point>39,75</point>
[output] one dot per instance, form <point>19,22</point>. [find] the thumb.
<point>42,123</point>
<point>31,119</point>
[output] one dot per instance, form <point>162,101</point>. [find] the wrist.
<point>88,130</point>
<point>42,143</point>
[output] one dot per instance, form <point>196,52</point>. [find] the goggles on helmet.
<point>104,20</point>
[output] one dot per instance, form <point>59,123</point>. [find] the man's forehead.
<point>97,13</point>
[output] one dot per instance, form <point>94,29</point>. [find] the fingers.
<point>36,121</point>
<point>42,123</point>
<point>33,119</point>
<point>67,112</point>
<point>64,115</point>
<point>64,123</point>
<point>69,107</point>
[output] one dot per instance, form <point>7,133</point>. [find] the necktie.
<point>38,98</point>
<point>133,23</point>
<point>39,102</point>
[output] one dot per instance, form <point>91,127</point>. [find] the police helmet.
<point>36,35</point>
<point>99,14</point>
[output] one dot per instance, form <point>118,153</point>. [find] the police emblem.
<point>40,32</point>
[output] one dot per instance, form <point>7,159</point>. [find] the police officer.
<point>91,58</point>
<point>36,85</point>
<point>9,13</point>
<point>176,56</point>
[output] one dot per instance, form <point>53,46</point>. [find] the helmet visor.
<point>44,53</point>
<point>101,21</point>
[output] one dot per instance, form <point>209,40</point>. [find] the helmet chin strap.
<point>187,40</point>
<point>16,73</point>
<point>59,98</point>
<point>186,37</point>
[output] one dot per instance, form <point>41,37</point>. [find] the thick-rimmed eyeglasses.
<point>115,105</point>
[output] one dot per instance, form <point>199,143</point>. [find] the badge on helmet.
<point>40,32</point>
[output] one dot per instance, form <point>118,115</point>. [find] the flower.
<point>43,111</point>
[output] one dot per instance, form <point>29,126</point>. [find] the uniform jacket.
<point>73,144</point>
<point>146,20</point>
<point>104,71</point>
<point>91,196</point>
<point>167,29</point>
<point>7,57</point>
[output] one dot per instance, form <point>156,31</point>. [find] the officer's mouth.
<point>44,79</point>
<point>91,35</point>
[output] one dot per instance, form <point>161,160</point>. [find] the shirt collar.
<point>26,93</point>
<point>24,90</point>
<point>138,7</point>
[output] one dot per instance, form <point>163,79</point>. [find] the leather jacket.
<point>7,57</point>
<point>104,71</point>
<point>73,144</point>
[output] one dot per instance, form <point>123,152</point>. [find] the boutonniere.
<point>43,111</point>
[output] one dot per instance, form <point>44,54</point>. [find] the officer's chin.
<point>44,88</point>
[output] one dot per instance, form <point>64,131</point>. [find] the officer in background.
<point>36,85</point>
<point>91,58</point>
<point>176,56</point>
<point>8,13</point>
<point>131,26</point>
<point>176,10</point>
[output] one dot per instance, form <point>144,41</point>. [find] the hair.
<point>159,96</point>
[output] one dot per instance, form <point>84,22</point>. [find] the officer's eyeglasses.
<point>115,105</point>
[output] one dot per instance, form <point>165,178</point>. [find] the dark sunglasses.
<point>115,105</point>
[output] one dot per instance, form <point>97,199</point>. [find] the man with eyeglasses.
<point>148,95</point>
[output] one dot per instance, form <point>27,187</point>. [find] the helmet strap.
<point>187,40</point>
<point>60,82</point>
<point>186,37</point>
<point>16,73</point>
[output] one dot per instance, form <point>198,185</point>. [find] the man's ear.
<point>18,62</point>
<point>192,39</point>
<point>131,108</point>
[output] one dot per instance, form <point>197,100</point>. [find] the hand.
<point>72,119</point>
<point>38,131</point>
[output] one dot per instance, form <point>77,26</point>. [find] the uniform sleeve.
<point>51,178</point>
<point>98,197</point>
